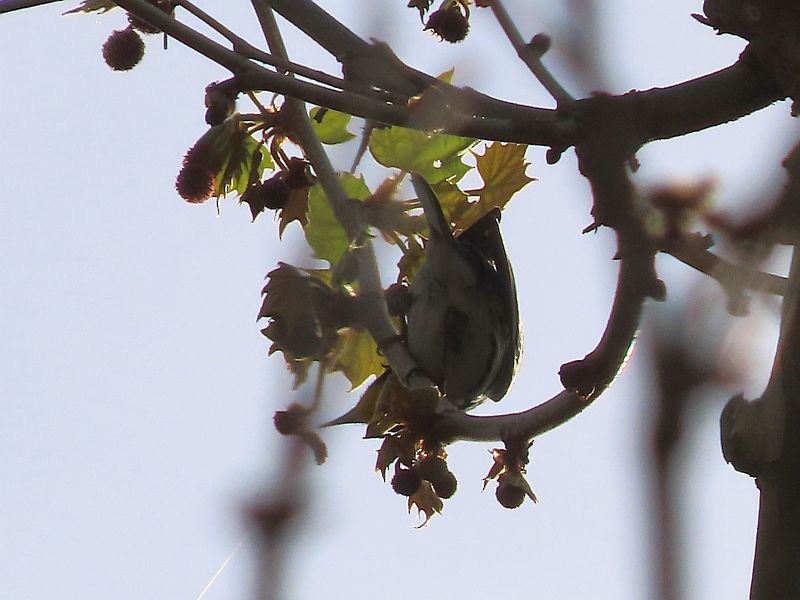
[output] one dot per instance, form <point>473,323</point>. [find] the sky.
<point>137,394</point>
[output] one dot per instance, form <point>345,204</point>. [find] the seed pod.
<point>406,482</point>
<point>449,23</point>
<point>123,49</point>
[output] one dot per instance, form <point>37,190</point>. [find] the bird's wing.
<point>486,237</point>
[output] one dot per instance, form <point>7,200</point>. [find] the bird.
<point>462,320</point>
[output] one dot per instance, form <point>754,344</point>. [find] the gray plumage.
<point>463,320</point>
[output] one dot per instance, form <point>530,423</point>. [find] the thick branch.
<point>659,113</point>
<point>12,5</point>
<point>652,114</point>
<point>708,101</point>
<point>775,568</point>
<point>762,437</point>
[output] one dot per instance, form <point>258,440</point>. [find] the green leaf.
<point>357,356</point>
<point>238,150</point>
<point>364,410</point>
<point>89,6</point>
<point>447,76</point>
<point>435,156</point>
<point>324,233</point>
<point>452,200</point>
<point>331,125</point>
<point>502,168</point>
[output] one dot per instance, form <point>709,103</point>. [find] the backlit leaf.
<point>435,156</point>
<point>331,125</point>
<point>502,168</point>
<point>357,356</point>
<point>426,502</point>
<point>295,210</point>
<point>364,410</point>
<point>324,233</point>
<point>89,6</point>
<point>237,148</point>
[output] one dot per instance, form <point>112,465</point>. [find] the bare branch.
<point>530,54</point>
<point>729,274</point>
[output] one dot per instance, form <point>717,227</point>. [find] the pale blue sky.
<point>136,391</point>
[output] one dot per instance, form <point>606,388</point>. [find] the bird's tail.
<point>437,224</point>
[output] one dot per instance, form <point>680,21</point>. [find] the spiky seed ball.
<point>444,485</point>
<point>289,422</point>
<point>123,49</point>
<point>196,179</point>
<point>195,182</point>
<point>449,23</point>
<point>432,468</point>
<point>509,495</point>
<point>406,482</point>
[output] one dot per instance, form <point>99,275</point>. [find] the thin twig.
<point>529,54</point>
<point>206,18</point>
<point>729,274</point>
<point>243,47</point>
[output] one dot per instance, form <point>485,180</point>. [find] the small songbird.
<point>462,318</point>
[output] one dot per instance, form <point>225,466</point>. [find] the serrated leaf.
<point>298,308</point>
<point>389,452</point>
<point>426,501</point>
<point>435,156</point>
<point>364,410</point>
<point>296,209</point>
<point>394,407</point>
<point>324,233</point>
<point>331,125</point>
<point>502,168</point>
<point>90,6</point>
<point>453,201</point>
<point>356,356</point>
<point>237,149</point>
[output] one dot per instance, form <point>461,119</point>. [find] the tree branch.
<point>529,54</point>
<point>775,572</point>
<point>729,275</point>
<point>762,438</point>
<point>12,5</point>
